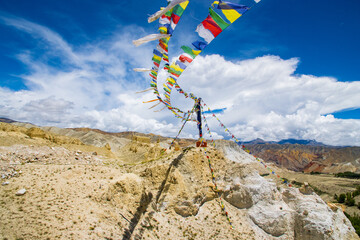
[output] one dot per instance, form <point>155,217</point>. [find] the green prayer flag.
<point>217,18</point>
<point>188,50</point>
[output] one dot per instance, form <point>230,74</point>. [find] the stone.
<point>186,209</point>
<point>21,192</point>
<point>5,183</point>
<point>209,195</point>
<point>239,196</point>
<point>320,221</point>
<point>107,147</point>
<point>271,219</point>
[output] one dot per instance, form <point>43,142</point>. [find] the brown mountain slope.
<point>130,134</point>
<point>305,158</point>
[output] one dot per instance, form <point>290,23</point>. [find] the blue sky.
<point>286,69</point>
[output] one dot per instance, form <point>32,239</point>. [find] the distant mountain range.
<point>293,154</point>
<point>6,120</point>
<point>287,141</point>
<point>307,155</point>
<point>253,142</point>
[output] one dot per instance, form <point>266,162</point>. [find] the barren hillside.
<point>62,187</point>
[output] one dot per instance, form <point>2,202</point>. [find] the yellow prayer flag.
<point>157,57</point>
<point>196,52</point>
<point>231,14</point>
<point>184,4</point>
<point>176,68</point>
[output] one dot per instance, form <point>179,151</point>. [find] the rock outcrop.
<point>260,207</point>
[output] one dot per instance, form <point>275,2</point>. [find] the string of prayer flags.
<point>169,18</point>
<point>209,29</point>
<point>212,170</point>
<point>215,185</point>
<point>221,15</point>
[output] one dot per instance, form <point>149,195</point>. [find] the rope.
<point>185,121</point>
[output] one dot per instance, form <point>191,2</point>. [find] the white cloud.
<point>94,86</point>
<point>265,99</point>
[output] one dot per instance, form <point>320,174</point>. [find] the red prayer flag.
<point>212,26</point>
<point>175,18</point>
<point>184,58</point>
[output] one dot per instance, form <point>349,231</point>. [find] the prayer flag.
<point>219,21</point>
<point>200,45</point>
<point>185,58</point>
<point>189,51</point>
<point>204,33</point>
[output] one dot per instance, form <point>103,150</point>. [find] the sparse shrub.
<point>348,175</point>
<point>356,193</point>
<point>342,198</point>
<point>299,184</point>
<point>349,199</point>
<point>348,196</point>
<point>350,202</point>
<point>317,190</point>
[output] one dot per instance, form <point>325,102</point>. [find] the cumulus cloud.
<point>265,99</point>
<point>93,86</point>
<point>49,109</point>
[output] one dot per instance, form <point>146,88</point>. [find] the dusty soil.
<point>80,191</point>
<point>62,182</point>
